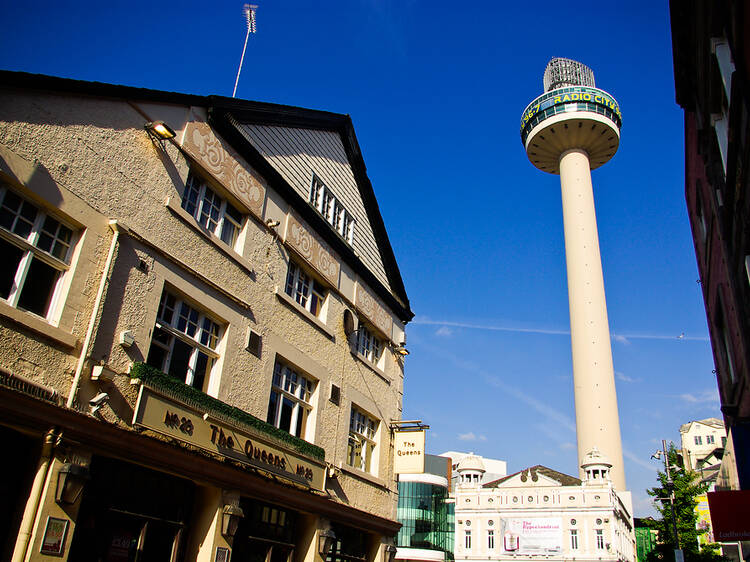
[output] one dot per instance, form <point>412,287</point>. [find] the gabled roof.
<point>224,114</point>
<point>711,422</point>
<point>533,474</point>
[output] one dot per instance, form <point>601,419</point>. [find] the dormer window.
<point>332,210</point>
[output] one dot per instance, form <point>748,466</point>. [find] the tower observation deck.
<point>570,130</point>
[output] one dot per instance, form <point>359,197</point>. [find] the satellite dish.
<point>348,322</point>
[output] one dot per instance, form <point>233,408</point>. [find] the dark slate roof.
<point>533,472</point>
<point>223,112</point>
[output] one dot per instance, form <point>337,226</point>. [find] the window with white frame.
<point>491,539</point>
<point>304,289</point>
<point>332,209</point>
<point>600,539</point>
<point>369,345</point>
<point>467,539</point>
<point>290,404</point>
<point>574,539</point>
<point>185,340</point>
<point>35,248</point>
<point>698,440</point>
<point>362,430</point>
<point>213,212</point>
<point>709,440</point>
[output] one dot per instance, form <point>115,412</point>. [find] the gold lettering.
<point>566,97</point>
<point>556,100</point>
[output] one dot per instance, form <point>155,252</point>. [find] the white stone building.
<point>700,438</point>
<point>541,514</point>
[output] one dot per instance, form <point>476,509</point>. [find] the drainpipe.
<point>35,497</point>
<point>94,313</point>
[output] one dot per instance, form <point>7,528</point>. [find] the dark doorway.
<point>15,484</point>
<point>131,514</point>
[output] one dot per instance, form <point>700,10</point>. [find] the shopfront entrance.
<point>350,545</point>
<point>131,514</point>
<point>265,534</point>
<point>18,474</point>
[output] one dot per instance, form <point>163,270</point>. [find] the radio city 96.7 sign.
<point>171,418</point>
<point>408,457</point>
<point>570,95</point>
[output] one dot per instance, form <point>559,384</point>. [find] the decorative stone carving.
<point>313,250</point>
<point>225,165</point>
<point>368,305</point>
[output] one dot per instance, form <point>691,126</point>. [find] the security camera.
<point>98,401</point>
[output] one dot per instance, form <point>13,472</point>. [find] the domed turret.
<point>596,467</point>
<point>470,470</point>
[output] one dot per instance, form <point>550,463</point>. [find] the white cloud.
<point>471,436</point>
<point>625,378</point>
<point>710,396</point>
<point>444,331</point>
<point>642,501</point>
<point>567,446</point>
<point>561,419</point>
<point>643,463</point>
<point>619,338</point>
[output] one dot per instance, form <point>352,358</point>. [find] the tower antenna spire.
<point>249,11</point>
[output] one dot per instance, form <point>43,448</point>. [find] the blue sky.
<point>436,90</point>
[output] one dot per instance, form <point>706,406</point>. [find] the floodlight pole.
<point>670,485</point>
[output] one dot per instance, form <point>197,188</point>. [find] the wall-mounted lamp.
<point>230,519</point>
<point>401,350</point>
<point>390,553</point>
<point>326,540</point>
<point>270,223</point>
<point>70,482</point>
<point>159,130</point>
<point>127,339</point>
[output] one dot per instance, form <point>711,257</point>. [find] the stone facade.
<point>192,256</point>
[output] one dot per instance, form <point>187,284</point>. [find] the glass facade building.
<point>426,515</point>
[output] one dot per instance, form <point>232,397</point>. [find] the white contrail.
<point>489,327</point>
<point>547,331</point>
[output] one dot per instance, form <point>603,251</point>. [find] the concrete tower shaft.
<point>570,131</point>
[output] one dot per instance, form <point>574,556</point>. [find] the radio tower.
<point>570,130</point>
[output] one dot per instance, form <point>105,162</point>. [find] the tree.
<point>686,485</point>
